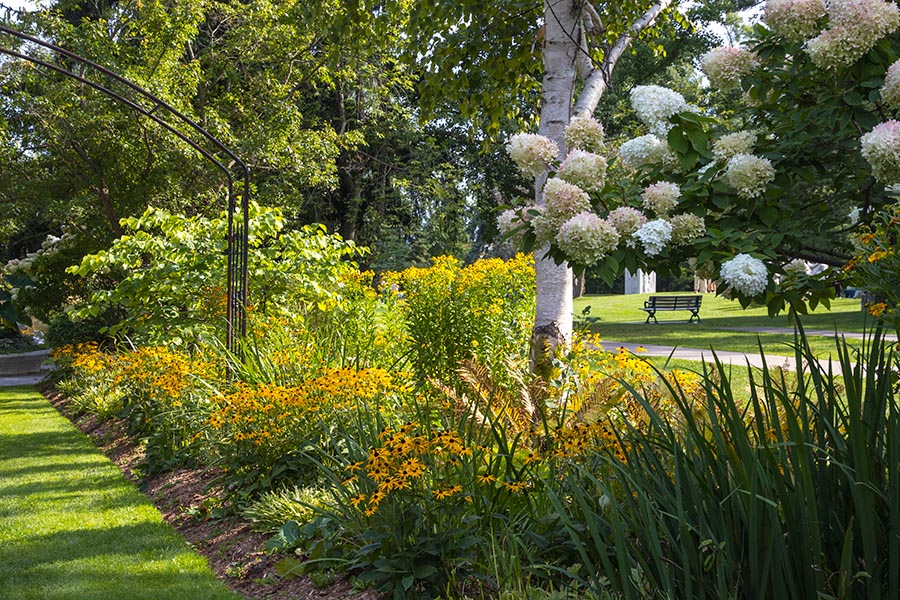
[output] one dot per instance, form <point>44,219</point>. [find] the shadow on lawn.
<point>138,561</point>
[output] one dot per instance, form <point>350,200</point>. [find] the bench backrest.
<point>674,302</point>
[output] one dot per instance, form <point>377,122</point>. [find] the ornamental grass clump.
<point>794,494</point>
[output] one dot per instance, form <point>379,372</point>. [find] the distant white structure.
<point>640,283</point>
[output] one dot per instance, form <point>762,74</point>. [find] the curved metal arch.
<point>238,234</point>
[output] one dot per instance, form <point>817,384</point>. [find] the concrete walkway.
<point>31,379</point>
<point>738,359</point>
<point>850,335</point>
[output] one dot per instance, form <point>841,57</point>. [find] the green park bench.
<point>657,303</point>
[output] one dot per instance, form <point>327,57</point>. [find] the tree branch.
<point>598,81</point>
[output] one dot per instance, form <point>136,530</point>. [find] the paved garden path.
<point>73,528</point>
<point>739,359</point>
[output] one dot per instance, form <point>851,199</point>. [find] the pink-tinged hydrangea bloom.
<point>796,20</point>
<point>654,235</point>
<point>740,142</point>
<point>584,169</point>
<point>745,274</point>
<point>661,197</point>
<point>749,175</point>
<point>626,220</point>
<point>654,105</point>
<point>562,201</point>
<point>646,149</point>
<point>726,65</point>
<point>686,228</point>
<point>586,238</point>
<point>890,91</point>
<point>855,26</point>
<point>881,148</point>
<point>532,153</point>
<point>584,133</point>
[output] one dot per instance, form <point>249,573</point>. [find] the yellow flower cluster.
<point>405,456</point>
<point>158,371</point>
<point>273,414</point>
<point>85,357</point>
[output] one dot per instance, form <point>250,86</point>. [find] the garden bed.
<point>234,551</point>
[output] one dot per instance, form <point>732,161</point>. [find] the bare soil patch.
<point>233,550</point>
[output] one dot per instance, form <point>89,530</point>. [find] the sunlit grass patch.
<point>72,527</point>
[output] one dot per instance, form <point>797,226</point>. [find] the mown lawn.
<point>619,318</point>
<point>73,528</point>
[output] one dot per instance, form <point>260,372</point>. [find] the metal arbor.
<point>147,105</point>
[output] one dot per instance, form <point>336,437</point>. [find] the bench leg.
<point>694,313</point>
<point>651,315</point>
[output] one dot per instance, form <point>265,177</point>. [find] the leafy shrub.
<point>483,311</point>
<point>171,274</point>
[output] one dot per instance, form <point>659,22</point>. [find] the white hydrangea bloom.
<point>855,26</point>
<point>745,274</point>
<point>562,201</point>
<point>726,65</point>
<point>507,222</point>
<point>749,175</point>
<point>586,238</point>
<point>881,148</point>
<point>796,267</point>
<point>686,228</point>
<point>796,20</point>
<point>654,235</point>
<point>654,105</point>
<point>661,197</point>
<point>854,215</point>
<point>626,220</point>
<point>584,169</point>
<point>890,91</point>
<point>584,133</point>
<point>532,153</point>
<point>740,142</point>
<point>646,149</point>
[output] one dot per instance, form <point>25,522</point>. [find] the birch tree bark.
<point>568,27</point>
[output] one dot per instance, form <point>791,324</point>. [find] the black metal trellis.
<point>238,230</point>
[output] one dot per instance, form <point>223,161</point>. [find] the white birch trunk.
<point>563,59</point>
<point>553,309</point>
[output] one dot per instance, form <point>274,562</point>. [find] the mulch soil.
<point>235,552</point>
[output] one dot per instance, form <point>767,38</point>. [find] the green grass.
<point>73,528</point>
<point>619,318</point>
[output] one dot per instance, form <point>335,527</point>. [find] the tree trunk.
<point>553,309</point>
<point>562,35</point>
